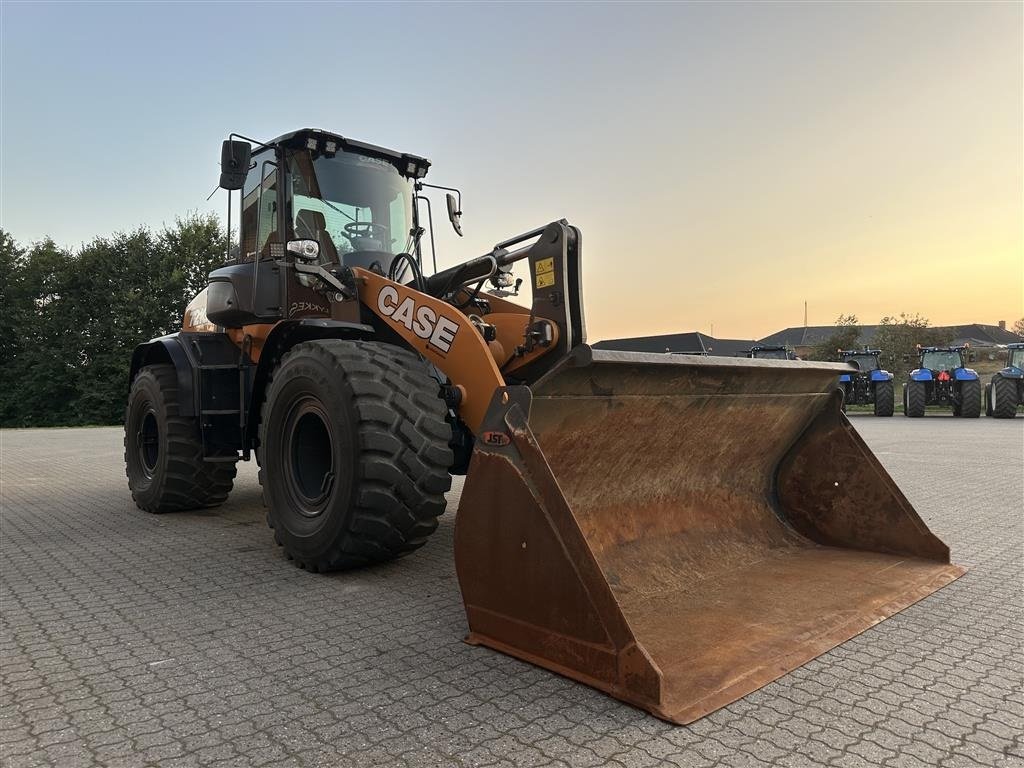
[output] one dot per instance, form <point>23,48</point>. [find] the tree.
<point>898,338</point>
<point>11,301</point>
<point>71,320</point>
<point>846,336</point>
<point>1018,327</point>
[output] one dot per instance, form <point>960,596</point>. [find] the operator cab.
<point>770,353</point>
<point>865,360</point>
<point>1016,357</point>
<point>354,200</point>
<point>312,198</point>
<point>940,360</point>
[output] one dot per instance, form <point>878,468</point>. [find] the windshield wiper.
<point>332,206</point>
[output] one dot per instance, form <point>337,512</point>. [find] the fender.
<point>965,374</point>
<point>881,376</point>
<point>920,374</point>
<point>168,349</point>
<point>1011,372</point>
<point>845,377</point>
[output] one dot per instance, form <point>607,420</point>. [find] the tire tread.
<point>1006,394</point>
<point>404,456</point>
<point>189,482</point>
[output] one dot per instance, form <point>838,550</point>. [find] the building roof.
<point>692,342</point>
<point>977,334</point>
<point>801,336</point>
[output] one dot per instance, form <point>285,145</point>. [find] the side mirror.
<point>235,157</point>
<point>454,214</point>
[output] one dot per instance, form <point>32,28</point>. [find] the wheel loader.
<point>674,530</point>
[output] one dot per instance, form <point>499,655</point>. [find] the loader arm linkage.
<point>525,343</point>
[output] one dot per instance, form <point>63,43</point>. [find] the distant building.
<point>982,335</point>
<point>802,339</point>
<point>694,343</point>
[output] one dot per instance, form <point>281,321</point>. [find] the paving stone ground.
<point>129,639</point>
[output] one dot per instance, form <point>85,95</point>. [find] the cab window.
<point>258,229</point>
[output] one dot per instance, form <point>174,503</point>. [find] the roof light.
<point>331,147</point>
<point>311,144</point>
<point>411,168</point>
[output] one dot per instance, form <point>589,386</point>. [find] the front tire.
<point>355,451</point>
<point>163,454</point>
<point>914,397</point>
<point>970,399</point>
<point>1004,397</point>
<point>988,399</point>
<point>885,398</point>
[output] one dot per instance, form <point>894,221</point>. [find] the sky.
<point>725,162</point>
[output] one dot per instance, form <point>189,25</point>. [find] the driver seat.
<point>313,225</point>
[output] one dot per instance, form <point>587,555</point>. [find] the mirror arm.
<point>233,136</point>
<point>421,184</point>
<point>430,225</point>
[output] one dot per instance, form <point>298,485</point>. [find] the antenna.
<point>805,313</point>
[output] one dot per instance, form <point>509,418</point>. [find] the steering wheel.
<point>359,230</point>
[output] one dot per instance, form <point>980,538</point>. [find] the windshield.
<point>350,203</point>
<point>770,354</point>
<point>864,362</point>
<point>941,360</point>
<point>1017,358</point>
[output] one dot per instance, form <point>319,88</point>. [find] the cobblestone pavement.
<point>188,639</point>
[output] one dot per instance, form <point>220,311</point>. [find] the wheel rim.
<point>148,438</point>
<point>309,457</point>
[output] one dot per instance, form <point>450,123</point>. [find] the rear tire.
<point>988,399</point>
<point>914,399</point>
<point>1004,397</point>
<point>163,454</point>
<point>885,398</point>
<point>355,451</point>
<point>970,399</point>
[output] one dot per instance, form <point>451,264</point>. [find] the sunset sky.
<point>724,162</point>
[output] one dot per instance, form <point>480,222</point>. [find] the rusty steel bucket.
<point>678,531</point>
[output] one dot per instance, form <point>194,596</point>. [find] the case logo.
<point>438,330</point>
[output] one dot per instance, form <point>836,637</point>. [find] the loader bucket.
<point>678,531</point>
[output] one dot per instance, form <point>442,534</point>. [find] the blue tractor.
<point>943,378</point>
<point>869,384</point>
<point>1006,390</point>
